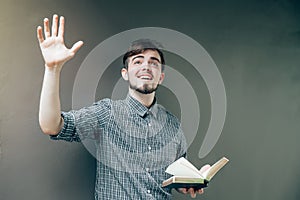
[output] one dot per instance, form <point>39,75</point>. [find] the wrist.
<point>53,69</point>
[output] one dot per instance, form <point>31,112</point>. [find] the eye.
<point>137,62</point>
<point>154,64</point>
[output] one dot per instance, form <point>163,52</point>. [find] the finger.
<point>54,25</point>
<point>183,190</point>
<point>200,191</point>
<point>76,47</point>
<point>61,29</point>
<point>46,28</point>
<point>39,33</point>
<point>192,192</point>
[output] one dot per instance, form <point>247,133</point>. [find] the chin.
<point>145,89</point>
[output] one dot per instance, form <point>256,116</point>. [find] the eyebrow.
<point>152,58</point>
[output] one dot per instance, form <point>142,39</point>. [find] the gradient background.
<point>255,45</point>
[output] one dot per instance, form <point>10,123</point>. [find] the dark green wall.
<point>255,44</point>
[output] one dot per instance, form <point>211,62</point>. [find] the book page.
<point>208,174</point>
<point>183,167</point>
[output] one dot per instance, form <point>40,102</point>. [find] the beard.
<point>145,89</point>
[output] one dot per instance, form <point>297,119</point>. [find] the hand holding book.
<point>186,175</point>
<point>193,192</point>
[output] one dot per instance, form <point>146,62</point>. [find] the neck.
<point>145,99</point>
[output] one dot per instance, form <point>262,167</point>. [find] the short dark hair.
<point>140,46</point>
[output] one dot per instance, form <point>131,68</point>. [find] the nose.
<point>146,66</point>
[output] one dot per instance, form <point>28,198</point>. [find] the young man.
<point>136,138</point>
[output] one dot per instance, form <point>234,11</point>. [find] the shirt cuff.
<point>68,131</point>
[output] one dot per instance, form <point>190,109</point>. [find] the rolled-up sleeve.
<point>84,123</point>
<point>68,131</point>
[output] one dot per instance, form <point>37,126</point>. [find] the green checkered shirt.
<point>134,145</point>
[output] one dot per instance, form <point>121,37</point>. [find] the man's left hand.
<point>191,191</point>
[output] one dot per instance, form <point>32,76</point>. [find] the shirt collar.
<point>139,108</point>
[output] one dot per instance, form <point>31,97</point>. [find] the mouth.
<point>147,77</point>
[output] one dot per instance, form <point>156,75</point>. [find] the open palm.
<point>54,51</point>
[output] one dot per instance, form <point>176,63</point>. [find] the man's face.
<point>144,72</point>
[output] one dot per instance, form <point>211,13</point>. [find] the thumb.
<point>76,47</point>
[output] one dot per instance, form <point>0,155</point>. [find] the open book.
<point>186,175</point>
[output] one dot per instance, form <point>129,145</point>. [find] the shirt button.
<point>149,148</point>
<point>148,191</point>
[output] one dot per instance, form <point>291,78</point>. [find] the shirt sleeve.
<point>68,132</point>
<point>183,145</point>
<point>84,123</point>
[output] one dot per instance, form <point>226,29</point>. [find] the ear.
<point>161,78</point>
<point>124,73</point>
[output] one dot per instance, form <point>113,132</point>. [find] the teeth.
<point>145,77</point>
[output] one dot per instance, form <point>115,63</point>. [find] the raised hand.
<point>53,48</point>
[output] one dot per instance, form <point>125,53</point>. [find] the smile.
<point>145,77</point>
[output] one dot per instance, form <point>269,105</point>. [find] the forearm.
<point>49,113</point>
<point>55,54</point>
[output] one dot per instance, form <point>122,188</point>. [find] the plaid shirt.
<point>134,145</point>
